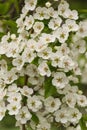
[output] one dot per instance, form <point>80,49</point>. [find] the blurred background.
<point>10,9</point>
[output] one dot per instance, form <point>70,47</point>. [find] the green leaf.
<point>35,61</point>
<point>16,5</point>
<point>40,3</point>
<point>35,118</point>
<point>54,127</point>
<point>4,8</point>
<point>85,117</point>
<point>83,16</point>
<point>49,88</point>
<point>83,124</point>
<point>1,34</point>
<point>21,81</point>
<point>12,26</point>
<point>29,128</point>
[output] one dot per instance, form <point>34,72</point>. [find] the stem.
<point>23,127</point>
<point>26,79</point>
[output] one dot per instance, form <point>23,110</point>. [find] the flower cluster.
<point>44,57</point>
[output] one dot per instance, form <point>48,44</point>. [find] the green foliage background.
<point>9,12</point>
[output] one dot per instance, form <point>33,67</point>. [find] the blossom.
<point>82,100</point>
<point>52,104</point>
<point>2,110</point>
<point>44,69</point>
<point>34,103</point>
<point>29,21</point>
<point>82,31</point>
<point>41,67</point>
<point>13,108</point>
<point>61,34</point>
<point>60,80</point>
<point>38,27</point>
<point>30,4</point>
<point>61,116</point>
<point>41,13</point>
<point>75,115</point>
<point>26,91</point>
<point>24,115</point>
<point>45,126</point>
<point>55,23</point>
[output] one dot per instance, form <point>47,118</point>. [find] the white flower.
<point>2,84</point>
<point>30,4</point>
<point>55,23</point>
<point>41,13</point>
<point>2,110</point>
<point>45,54</point>
<point>73,78</point>
<point>82,32</point>
<point>52,104</point>
<point>62,8</point>
<point>36,80</point>
<point>67,63</point>
<point>52,13</point>
<point>5,38</point>
<point>31,44</point>
<point>20,23</point>
<point>24,115</point>
<point>26,91</point>
<point>74,115</point>
<point>79,46</point>
<point>82,100</point>
<point>44,126</point>
<point>14,97</point>
<point>60,80</point>
<point>76,69</point>
<point>44,69</point>
<point>9,77</point>
<point>61,34</point>
<point>61,116</point>
<point>18,62</point>
<point>41,45</point>
<point>29,21</point>
<point>28,55</point>
<point>71,24</point>
<point>48,4</point>
<point>71,14</point>
<point>3,66</point>
<point>47,38</point>
<point>34,103</point>
<point>70,100</point>
<point>78,127</point>
<point>13,36</point>
<point>13,88</point>
<point>3,48</point>
<point>63,49</point>
<point>24,10</point>
<point>3,93</point>
<point>13,108</point>
<point>65,3</point>
<point>31,70</point>
<point>56,59</point>
<point>12,51</point>
<point>48,44</point>
<point>38,27</point>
